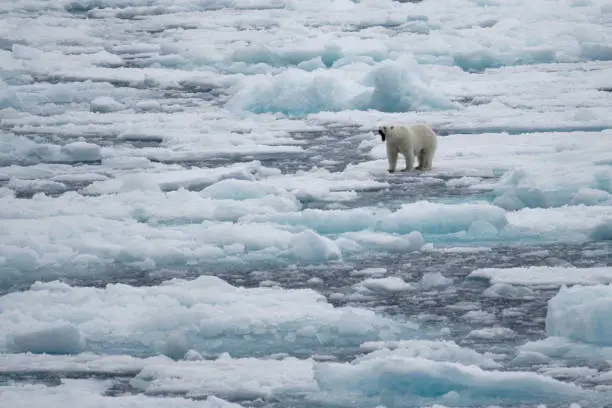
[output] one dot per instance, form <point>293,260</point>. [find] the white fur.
<point>417,140</point>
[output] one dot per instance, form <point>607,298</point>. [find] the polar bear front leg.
<point>392,157</point>
<point>409,156</point>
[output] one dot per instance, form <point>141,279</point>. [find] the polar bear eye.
<point>391,128</point>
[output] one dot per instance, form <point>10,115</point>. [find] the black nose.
<point>382,135</point>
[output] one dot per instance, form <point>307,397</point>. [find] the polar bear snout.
<point>383,131</point>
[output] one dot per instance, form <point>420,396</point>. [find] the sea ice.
<point>390,376</point>
<point>19,149</point>
<point>87,363</point>
<point>81,151</point>
<point>602,231</point>
<point>300,92</point>
<point>356,241</point>
<point>582,313</point>
<point>160,134</point>
<point>245,378</point>
<point>544,275</point>
<point>507,291</point>
<point>388,284</point>
<point>205,314</point>
<point>376,272</point>
<point>433,280</point>
<point>432,350</point>
<point>422,216</point>
<point>55,339</point>
<point>479,316</point>
<point>566,350</point>
<point>310,246</point>
<point>90,394</point>
<point>492,333</point>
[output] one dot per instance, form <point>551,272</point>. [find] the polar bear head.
<point>383,131</point>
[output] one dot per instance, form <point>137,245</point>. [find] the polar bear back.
<point>415,137</point>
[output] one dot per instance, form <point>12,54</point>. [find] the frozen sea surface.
<point>195,209</point>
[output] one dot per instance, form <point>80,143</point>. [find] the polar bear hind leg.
<point>426,159</point>
<point>422,158</point>
<point>409,157</point>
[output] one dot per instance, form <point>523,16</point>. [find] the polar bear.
<point>410,140</point>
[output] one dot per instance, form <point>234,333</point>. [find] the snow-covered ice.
<point>195,209</point>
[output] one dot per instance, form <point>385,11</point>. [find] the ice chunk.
<point>422,216</point>
<point>80,363</point>
<point>530,358</point>
<point>482,228</point>
<point>240,189</point>
<point>22,150</point>
<point>24,52</point>
<point>432,280</point>
<point>150,105</point>
<point>310,246</point>
<point>591,196</point>
<point>299,92</point>
<point>544,275</point>
<point>105,104</point>
<point>6,193</point>
<point>492,333</point>
<point>603,231</point>
<point>432,350</point>
<point>205,314</point>
<point>193,179</point>
<point>91,394</point>
<point>507,291</point>
<point>245,378</point>
<point>82,151</point>
<point>509,201</point>
<point>193,355</point>
<point>400,86</point>
<point>124,183</point>
<point>582,313</point>
<point>479,316</point>
<point>568,350</point>
<point>464,181</point>
<point>392,376</point>
<point>315,281</point>
<point>575,373</point>
<point>34,186</point>
<point>388,284</point>
<point>369,271</point>
<point>383,241</point>
<point>54,339</point>
<point>569,223</point>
